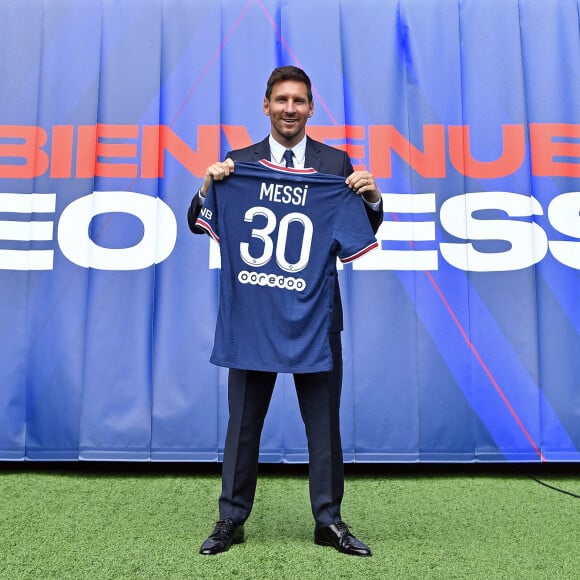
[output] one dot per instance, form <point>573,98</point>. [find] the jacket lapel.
<point>262,150</point>
<point>312,157</point>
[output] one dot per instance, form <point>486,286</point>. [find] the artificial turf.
<point>147,521</point>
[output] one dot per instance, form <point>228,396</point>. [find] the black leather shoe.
<point>223,536</point>
<point>339,537</point>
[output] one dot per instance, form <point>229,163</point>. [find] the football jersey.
<point>280,231</point>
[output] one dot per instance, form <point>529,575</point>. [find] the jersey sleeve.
<point>352,230</point>
<point>208,215</point>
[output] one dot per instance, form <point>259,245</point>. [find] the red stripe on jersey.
<point>205,226</point>
<point>359,254</point>
<point>286,169</point>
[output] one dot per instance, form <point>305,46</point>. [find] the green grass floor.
<point>147,521</point>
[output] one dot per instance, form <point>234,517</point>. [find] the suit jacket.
<point>321,157</point>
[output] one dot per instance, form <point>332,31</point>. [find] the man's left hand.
<point>363,183</point>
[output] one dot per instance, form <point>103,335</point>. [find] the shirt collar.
<point>277,152</point>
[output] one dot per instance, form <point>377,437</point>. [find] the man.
<point>288,103</point>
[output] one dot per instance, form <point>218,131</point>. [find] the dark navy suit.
<point>249,392</point>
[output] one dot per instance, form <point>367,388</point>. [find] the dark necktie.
<point>288,158</point>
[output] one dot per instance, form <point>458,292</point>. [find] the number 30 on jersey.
<point>264,234</point>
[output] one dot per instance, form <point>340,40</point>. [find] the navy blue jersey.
<point>280,231</point>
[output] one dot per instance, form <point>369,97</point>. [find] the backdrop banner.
<point>461,339</point>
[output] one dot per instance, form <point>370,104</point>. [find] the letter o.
<point>157,243</point>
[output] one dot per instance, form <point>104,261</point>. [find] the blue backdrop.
<point>462,331</point>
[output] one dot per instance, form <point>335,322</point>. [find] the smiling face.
<point>289,110</point>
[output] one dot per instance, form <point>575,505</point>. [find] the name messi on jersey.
<point>279,193</point>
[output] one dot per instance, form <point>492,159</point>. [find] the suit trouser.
<point>249,394</point>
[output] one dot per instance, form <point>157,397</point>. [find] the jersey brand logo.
<point>206,213</point>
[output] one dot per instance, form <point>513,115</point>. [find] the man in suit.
<point>288,103</point>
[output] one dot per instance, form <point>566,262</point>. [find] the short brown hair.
<point>288,73</point>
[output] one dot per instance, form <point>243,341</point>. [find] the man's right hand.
<point>218,172</point>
